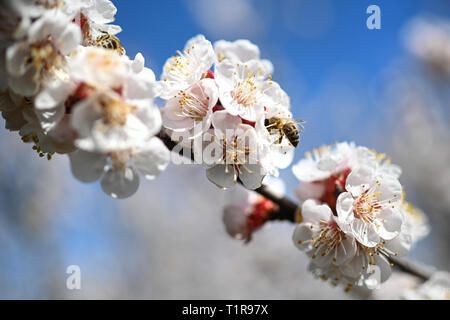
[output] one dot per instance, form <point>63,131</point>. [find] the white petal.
<point>309,190</point>
<point>222,176</point>
<point>390,223</point>
<point>365,233</point>
<point>302,236</point>
<point>53,95</point>
<point>222,120</point>
<point>314,212</point>
<point>252,176</point>
<point>344,207</point>
<point>87,166</point>
<point>152,159</point>
<point>120,183</point>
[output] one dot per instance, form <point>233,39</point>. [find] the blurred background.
<point>387,89</point>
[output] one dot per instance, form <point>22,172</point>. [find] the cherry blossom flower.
<point>368,268</point>
<point>110,99</point>
<point>20,116</point>
<point>118,171</point>
<point>41,55</point>
<point>323,173</point>
<point>321,238</point>
<point>241,51</point>
<point>191,65</point>
<point>236,153</point>
<point>245,91</point>
<point>191,106</point>
<point>338,255</point>
<point>370,207</point>
<point>93,17</point>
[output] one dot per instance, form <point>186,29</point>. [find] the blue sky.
<point>325,57</point>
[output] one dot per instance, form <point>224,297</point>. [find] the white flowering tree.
<point>68,87</point>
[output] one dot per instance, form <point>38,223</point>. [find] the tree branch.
<point>289,211</point>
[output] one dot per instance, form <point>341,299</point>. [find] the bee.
<point>109,41</point>
<point>285,127</point>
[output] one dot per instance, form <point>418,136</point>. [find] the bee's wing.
<point>299,123</point>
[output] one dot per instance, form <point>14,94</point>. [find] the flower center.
<point>182,66</point>
<point>44,56</point>
<point>115,111</point>
<point>246,92</point>
<point>329,238</point>
<point>367,205</point>
<point>191,106</point>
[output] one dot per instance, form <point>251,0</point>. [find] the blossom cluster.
<point>354,215</point>
<point>221,98</point>
<point>68,87</point>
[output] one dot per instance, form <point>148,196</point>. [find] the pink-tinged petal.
<point>120,184</point>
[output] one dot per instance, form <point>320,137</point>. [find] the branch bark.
<point>288,210</point>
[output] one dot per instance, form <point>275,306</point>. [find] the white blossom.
<point>190,107</point>
<point>41,55</point>
<point>189,66</point>
<point>370,207</point>
<point>321,238</point>
<point>93,17</point>
<point>119,170</point>
<point>241,51</point>
<point>245,91</point>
